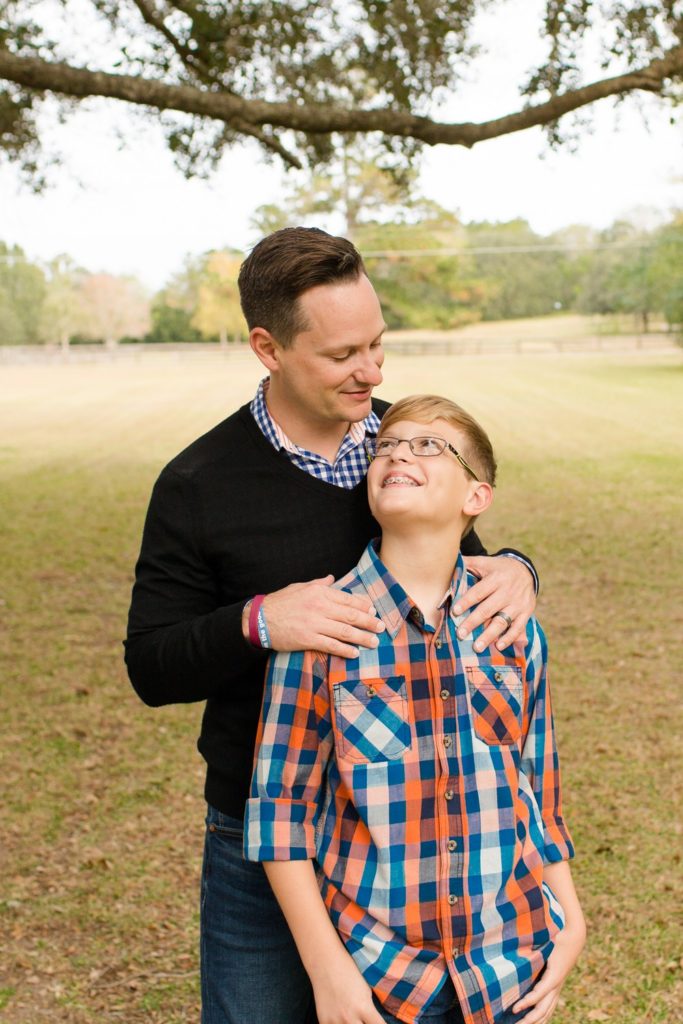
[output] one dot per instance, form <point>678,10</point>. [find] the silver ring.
<point>503,615</point>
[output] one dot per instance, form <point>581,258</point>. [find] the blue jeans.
<point>445,1009</point>
<point>250,967</point>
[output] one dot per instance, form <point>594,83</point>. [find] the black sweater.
<point>231,517</point>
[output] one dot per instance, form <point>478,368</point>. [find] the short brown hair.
<point>477,450</point>
<point>282,267</point>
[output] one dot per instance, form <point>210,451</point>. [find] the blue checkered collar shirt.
<point>350,464</point>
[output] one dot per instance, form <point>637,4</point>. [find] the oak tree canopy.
<point>293,74</point>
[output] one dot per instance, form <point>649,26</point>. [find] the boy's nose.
<point>401,452</point>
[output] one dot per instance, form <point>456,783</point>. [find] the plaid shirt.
<point>424,780</point>
<point>350,464</point>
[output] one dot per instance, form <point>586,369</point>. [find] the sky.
<point>124,207</point>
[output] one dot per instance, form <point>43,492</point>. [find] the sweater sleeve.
<point>471,545</point>
<point>182,645</point>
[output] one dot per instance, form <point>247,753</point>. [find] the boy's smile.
<point>409,492</point>
<point>394,479</point>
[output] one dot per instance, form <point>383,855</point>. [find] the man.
<point>273,496</point>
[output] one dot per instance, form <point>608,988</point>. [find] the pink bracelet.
<point>254,635</point>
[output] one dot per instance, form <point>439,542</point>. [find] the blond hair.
<point>477,449</point>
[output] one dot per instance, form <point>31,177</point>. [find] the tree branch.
<point>152,18</point>
<point>248,116</point>
<point>267,140</point>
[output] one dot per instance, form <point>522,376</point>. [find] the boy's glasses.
<point>425,447</point>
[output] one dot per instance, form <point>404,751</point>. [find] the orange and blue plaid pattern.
<point>423,779</point>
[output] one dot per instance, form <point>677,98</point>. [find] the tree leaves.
<point>291,73</point>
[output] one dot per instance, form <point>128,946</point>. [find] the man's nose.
<point>370,371</point>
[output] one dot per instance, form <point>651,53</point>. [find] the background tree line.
<point>430,271</point>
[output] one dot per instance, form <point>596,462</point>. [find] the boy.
<point>421,777</point>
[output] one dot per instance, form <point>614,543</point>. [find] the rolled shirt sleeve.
<point>540,760</point>
<point>293,745</point>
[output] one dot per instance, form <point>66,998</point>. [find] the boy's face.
<point>433,491</point>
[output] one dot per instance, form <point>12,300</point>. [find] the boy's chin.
<point>397,513</point>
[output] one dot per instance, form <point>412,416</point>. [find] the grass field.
<point>102,818</point>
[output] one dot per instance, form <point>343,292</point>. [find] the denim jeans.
<point>445,1009</point>
<point>250,967</point>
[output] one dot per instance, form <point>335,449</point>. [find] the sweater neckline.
<point>285,466</point>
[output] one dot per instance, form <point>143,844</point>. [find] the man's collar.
<point>259,407</point>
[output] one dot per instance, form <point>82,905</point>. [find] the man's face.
<point>430,491</point>
<point>330,369</point>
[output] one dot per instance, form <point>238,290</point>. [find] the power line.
<point>492,250</point>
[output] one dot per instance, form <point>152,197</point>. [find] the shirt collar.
<point>390,599</point>
<point>259,407</point>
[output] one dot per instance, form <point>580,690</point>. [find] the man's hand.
<point>506,585</point>
<point>314,616</point>
<point>542,999</point>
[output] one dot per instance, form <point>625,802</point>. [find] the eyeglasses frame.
<point>420,455</point>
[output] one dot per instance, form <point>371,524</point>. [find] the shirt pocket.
<point>371,719</point>
<point>497,700</point>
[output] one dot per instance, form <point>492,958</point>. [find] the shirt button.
<point>452,845</point>
<point>449,794</point>
<point>437,643</point>
<point>445,694</point>
<point>498,677</point>
<point>452,899</point>
<point>371,691</point>
<point>446,741</point>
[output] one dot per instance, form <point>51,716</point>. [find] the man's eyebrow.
<point>341,347</point>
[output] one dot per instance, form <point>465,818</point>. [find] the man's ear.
<point>479,498</point>
<point>264,345</point>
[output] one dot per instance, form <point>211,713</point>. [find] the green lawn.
<point>102,816</point>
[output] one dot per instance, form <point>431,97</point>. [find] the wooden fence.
<point>426,343</point>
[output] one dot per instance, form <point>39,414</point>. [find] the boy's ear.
<point>479,498</point>
<point>264,345</point>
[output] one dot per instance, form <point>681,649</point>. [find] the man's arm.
<point>184,645</point>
